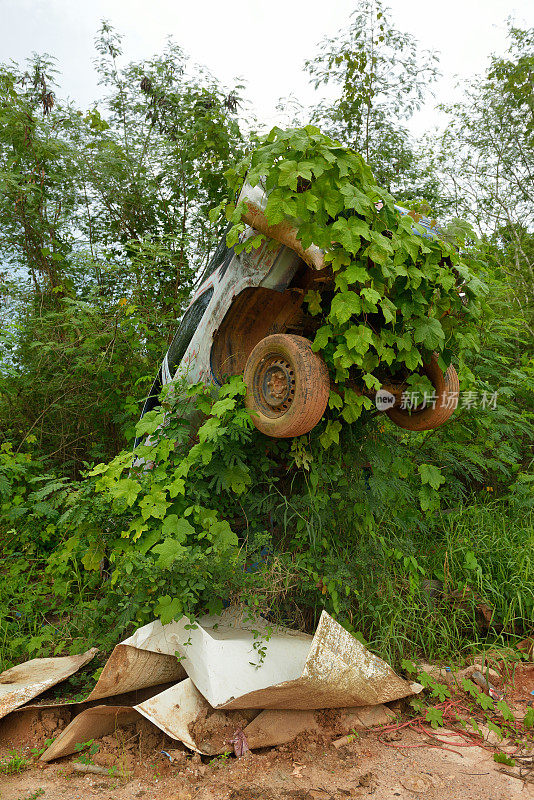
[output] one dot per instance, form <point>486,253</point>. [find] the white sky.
<point>263,41</point>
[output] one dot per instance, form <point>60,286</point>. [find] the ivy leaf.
<point>428,499</point>
<point>222,535</point>
<point>431,475</point>
<point>331,434</point>
<point>127,489</point>
<point>428,331</point>
<point>168,609</point>
<point>288,174</point>
<point>322,337</point>
<point>340,232</point>
<point>359,337</point>
<point>372,297</point>
<point>154,505</point>
<point>356,274</point>
<point>169,551</point>
<point>388,309</point>
<point>344,305</point>
<point>177,527</point>
<point>149,423</point>
<point>435,717</point>
<point>411,357</point>
<point>220,407</point>
<point>334,400</point>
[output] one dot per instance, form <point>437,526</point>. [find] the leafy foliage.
<point>417,543</point>
<point>399,295</point>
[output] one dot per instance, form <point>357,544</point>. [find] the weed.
<point>16,763</point>
<point>220,760</point>
<point>34,795</point>
<point>87,750</point>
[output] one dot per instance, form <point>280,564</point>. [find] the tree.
<point>103,231</point>
<point>487,161</point>
<point>382,75</point>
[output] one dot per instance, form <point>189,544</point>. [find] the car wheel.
<point>447,389</point>
<point>287,386</point>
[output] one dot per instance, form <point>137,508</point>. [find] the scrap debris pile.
<point>225,682</point>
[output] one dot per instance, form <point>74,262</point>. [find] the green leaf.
<point>359,337</point>
<point>288,174</point>
<point>355,274</point>
<point>431,474</point>
<point>168,609</point>
<point>344,305</point>
<point>502,758</point>
<point>505,710</point>
<point>221,407</point>
<point>435,717</point>
<point>331,434</point>
<point>428,331</point>
<point>169,551</point>
<point>128,489</point>
<point>177,527</point>
<point>149,423</point>
<point>322,338</point>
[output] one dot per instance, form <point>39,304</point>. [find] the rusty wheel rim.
<point>274,385</point>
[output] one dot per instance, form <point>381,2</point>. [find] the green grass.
<point>375,582</point>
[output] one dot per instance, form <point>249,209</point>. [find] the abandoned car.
<point>248,318</point>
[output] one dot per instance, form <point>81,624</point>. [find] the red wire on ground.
<point>448,712</point>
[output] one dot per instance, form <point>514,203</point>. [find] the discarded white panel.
<point>223,657</point>
<point>25,681</point>
<point>332,670</point>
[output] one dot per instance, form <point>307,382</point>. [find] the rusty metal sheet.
<point>135,667</point>
<point>182,713</point>
<point>22,683</point>
<point>90,724</point>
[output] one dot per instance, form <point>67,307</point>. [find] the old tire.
<point>447,388</point>
<point>287,386</point>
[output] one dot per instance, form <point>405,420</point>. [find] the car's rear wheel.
<point>287,386</point>
<point>447,391</point>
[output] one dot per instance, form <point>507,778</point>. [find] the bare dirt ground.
<point>386,765</point>
<point>308,769</point>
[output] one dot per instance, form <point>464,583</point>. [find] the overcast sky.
<point>263,41</point>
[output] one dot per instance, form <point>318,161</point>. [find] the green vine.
<point>401,293</point>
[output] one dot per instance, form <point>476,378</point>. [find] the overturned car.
<point>248,317</point>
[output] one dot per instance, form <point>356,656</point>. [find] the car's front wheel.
<point>287,386</point>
